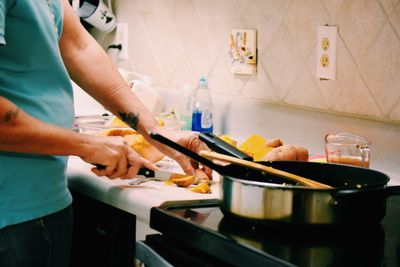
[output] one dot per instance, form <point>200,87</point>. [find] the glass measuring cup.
<point>347,148</point>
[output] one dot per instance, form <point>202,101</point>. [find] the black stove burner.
<point>308,245</point>
<point>201,225</point>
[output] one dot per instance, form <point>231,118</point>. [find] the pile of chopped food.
<point>199,183</point>
<point>261,149</point>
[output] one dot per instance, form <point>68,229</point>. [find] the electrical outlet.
<point>326,52</point>
<point>121,37</point>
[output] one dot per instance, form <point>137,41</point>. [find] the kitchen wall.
<point>176,41</point>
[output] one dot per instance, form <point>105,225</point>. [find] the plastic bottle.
<point>186,106</point>
<point>202,119</point>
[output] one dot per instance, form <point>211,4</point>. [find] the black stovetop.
<point>201,225</point>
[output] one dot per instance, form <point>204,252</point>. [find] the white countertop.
<point>137,200</point>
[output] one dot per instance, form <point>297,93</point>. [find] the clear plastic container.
<point>96,124</point>
<point>186,106</point>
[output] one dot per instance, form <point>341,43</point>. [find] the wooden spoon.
<point>286,175</point>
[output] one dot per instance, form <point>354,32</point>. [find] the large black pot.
<point>358,197</point>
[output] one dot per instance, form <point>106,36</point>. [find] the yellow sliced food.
<point>168,182</point>
<point>143,148</point>
<point>229,140</point>
<point>118,132</point>
<point>161,122</point>
<point>200,175</point>
<point>118,123</point>
<point>259,154</point>
<point>203,188</point>
<point>183,182</point>
<point>137,142</point>
<point>252,144</point>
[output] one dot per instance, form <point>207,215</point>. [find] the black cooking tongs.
<point>232,170</point>
<point>240,171</point>
<point>160,138</point>
<point>218,145</point>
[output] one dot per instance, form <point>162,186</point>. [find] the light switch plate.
<point>121,37</point>
<point>326,52</point>
<point>243,51</point>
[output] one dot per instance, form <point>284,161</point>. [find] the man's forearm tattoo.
<point>10,115</point>
<point>131,119</point>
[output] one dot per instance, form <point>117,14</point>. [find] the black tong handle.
<point>187,152</point>
<point>218,145</point>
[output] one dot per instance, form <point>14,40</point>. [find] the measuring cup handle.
<point>365,154</point>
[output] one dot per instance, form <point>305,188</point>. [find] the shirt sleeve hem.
<point>2,40</point>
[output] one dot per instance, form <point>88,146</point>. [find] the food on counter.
<point>252,144</point>
<point>229,140</point>
<point>118,122</point>
<point>257,146</point>
<point>261,149</point>
<point>137,142</point>
<point>144,148</point>
<point>183,181</point>
<point>203,188</point>
<point>273,142</point>
<point>199,183</point>
<point>201,177</point>
<point>287,152</point>
<point>202,183</point>
<point>118,132</point>
<point>262,152</point>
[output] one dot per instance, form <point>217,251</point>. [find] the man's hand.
<point>188,139</point>
<point>117,157</point>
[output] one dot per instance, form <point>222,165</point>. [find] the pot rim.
<point>273,185</point>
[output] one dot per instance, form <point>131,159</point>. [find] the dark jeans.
<point>44,242</point>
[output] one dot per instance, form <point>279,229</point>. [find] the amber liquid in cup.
<point>347,148</point>
<point>356,161</point>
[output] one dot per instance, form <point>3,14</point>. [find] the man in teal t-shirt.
<point>30,53</point>
<point>43,46</point>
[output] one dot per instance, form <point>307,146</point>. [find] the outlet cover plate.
<point>326,52</point>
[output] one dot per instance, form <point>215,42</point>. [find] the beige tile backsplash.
<point>176,41</point>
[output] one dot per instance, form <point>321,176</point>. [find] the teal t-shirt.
<point>33,76</point>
